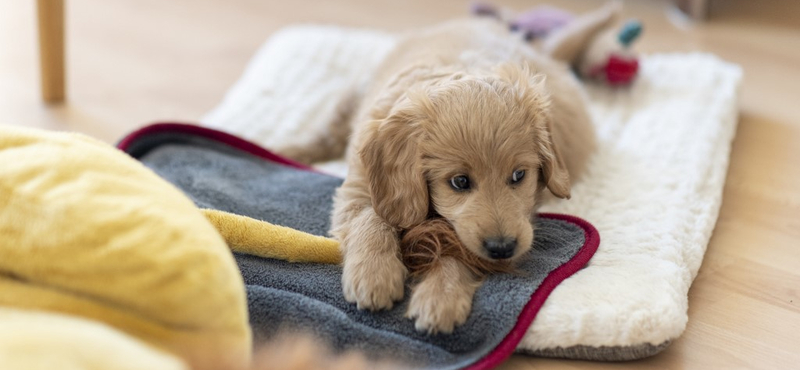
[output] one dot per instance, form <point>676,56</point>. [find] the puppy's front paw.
<point>374,283</point>
<point>439,306</point>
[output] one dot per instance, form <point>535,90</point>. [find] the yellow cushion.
<point>87,230</point>
<point>38,340</point>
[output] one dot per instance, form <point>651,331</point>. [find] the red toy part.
<point>621,71</point>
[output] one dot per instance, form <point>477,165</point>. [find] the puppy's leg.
<point>374,276</point>
<point>443,298</point>
<point>329,143</point>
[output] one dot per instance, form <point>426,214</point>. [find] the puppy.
<point>466,122</point>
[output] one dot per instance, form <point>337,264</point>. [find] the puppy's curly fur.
<point>424,245</point>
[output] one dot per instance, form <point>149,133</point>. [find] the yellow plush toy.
<point>91,234</point>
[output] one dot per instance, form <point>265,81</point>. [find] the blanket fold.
<point>250,236</point>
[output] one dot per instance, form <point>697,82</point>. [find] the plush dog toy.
<point>609,57</point>
<point>602,52</point>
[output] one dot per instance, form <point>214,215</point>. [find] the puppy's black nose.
<point>500,248</point>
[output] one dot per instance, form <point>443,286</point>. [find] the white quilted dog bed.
<point>653,190</point>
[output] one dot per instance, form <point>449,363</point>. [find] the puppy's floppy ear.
<point>391,158</point>
<point>532,94</point>
<point>554,173</point>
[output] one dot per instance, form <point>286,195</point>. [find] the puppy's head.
<point>474,149</point>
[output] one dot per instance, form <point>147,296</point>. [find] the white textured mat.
<point>653,190</point>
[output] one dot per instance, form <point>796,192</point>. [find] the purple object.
<point>540,21</point>
<point>534,23</point>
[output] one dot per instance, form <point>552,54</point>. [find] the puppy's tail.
<point>304,352</point>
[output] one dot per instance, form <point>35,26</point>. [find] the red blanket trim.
<point>222,137</point>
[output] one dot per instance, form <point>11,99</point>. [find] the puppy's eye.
<point>517,176</point>
<point>460,182</point>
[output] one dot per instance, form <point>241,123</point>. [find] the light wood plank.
<point>51,49</point>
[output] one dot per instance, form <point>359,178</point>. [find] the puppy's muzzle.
<point>500,247</point>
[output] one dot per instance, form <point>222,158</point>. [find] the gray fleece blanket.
<point>222,172</point>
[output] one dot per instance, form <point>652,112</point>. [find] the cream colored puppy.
<point>466,121</point>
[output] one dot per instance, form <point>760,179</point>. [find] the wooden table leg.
<point>51,49</point>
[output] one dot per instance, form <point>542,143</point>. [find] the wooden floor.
<point>131,62</point>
